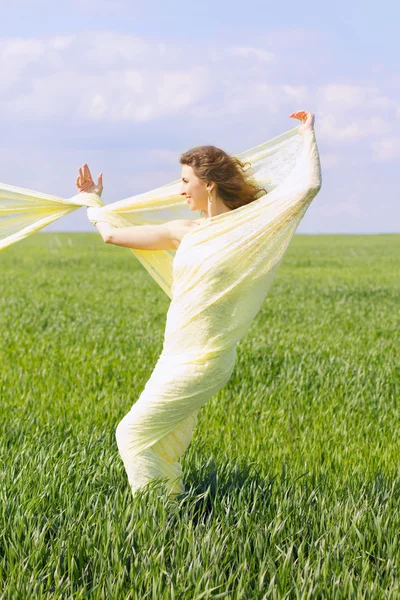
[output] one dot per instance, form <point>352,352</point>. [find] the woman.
<point>220,279</point>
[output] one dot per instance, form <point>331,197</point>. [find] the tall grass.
<point>292,478</point>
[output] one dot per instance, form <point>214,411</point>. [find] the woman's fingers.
<point>301,114</point>
<point>84,180</point>
<point>81,178</point>
<point>87,172</point>
<point>307,118</point>
<point>84,175</point>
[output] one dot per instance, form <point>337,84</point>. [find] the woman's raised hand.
<point>85,183</point>
<point>306,117</point>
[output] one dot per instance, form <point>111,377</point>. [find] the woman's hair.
<point>227,172</point>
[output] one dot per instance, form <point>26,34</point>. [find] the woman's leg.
<point>158,429</point>
<point>161,460</point>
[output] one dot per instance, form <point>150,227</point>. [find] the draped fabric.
<point>23,211</point>
<point>217,280</point>
<point>222,272</point>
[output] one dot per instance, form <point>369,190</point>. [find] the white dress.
<point>222,271</point>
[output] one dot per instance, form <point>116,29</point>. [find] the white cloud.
<point>239,92</point>
<point>298,93</point>
<point>104,50</point>
<point>25,50</point>
<point>15,56</point>
<point>380,101</point>
<point>343,128</point>
<point>102,76</point>
<point>249,52</point>
<point>113,77</point>
<point>106,78</point>
<point>387,148</point>
<point>109,95</point>
<point>341,96</point>
<point>235,99</point>
<point>354,112</point>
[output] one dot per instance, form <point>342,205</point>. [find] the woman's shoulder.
<point>192,222</point>
<point>187,222</point>
<point>180,227</point>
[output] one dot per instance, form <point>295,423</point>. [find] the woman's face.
<point>194,189</point>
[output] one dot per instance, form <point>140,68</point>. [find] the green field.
<point>292,477</point>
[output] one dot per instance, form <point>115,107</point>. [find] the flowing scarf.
<point>23,211</point>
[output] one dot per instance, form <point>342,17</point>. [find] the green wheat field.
<point>292,478</point>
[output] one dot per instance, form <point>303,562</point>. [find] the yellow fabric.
<point>23,211</point>
<point>217,281</point>
<point>221,274</point>
<point>270,163</point>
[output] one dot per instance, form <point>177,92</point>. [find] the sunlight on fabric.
<point>24,211</point>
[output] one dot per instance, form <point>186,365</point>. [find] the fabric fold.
<point>222,272</point>
<point>24,211</point>
<point>269,164</point>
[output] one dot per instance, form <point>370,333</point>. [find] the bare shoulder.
<point>180,227</point>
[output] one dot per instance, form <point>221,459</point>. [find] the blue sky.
<point>127,87</point>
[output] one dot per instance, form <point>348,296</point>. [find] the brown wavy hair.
<point>234,187</point>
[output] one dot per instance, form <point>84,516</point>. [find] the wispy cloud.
<point>345,128</point>
<point>98,87</point>
<point>116,77</point>
<point>110,77</point>
<point>387,149</point>
<point>249,52</point>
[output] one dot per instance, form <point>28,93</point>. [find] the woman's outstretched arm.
<point>307,172</point>
<point>165,236</point>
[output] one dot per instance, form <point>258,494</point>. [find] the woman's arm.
<point>166,236</point>
<point>96,217</point>
<point>142,237</point>
<point>307,172</point>
<point>105,230</point>
<point>306,175</point>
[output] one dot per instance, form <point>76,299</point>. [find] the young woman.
<point>222,270</point>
